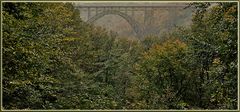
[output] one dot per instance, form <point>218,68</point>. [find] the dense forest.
<point>51,59</point>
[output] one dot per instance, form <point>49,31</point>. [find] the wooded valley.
<point>51,59</point>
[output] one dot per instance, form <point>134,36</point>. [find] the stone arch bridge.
<point>127,12</point>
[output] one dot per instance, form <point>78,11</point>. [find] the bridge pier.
<point>89,12</point>
<point>132,12</point>
<point>172,16</point>
<point>96,10</point>
<point>148,20</point>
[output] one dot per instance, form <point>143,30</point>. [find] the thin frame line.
<point>118,2</point>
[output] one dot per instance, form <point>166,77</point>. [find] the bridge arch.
<point>133,23</point>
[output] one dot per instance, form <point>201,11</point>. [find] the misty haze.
<point>154,18</point>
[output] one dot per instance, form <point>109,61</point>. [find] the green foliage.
<point>163,71</point>
<point>54,60</point>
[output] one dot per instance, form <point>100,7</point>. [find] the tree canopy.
<point>52,59</point>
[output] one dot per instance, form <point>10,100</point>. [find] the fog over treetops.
<point>161,21</point>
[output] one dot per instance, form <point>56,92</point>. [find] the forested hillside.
<point>54,60</point>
